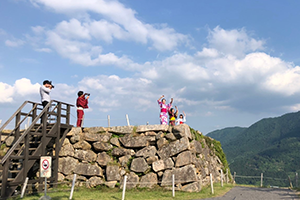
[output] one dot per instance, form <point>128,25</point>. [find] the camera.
<point>88,94</point>
<point>51,84</point>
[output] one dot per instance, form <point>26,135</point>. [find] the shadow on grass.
<point>38,196</point>
<point>60,197</point>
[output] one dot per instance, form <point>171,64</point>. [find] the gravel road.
<point>252,193</point>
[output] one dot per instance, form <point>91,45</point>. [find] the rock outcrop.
<point>149,155</point>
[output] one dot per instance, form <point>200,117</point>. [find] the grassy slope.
<point>137,194</point>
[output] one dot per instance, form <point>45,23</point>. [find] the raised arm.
<point>46,89</point>
<point>176,112</point>
<point>162,96</point>
<point>171,101</point>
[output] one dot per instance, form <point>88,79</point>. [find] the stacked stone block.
<point>148,154</point>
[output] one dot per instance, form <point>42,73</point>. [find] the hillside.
<point>226,135</point>
<point>270,146</point>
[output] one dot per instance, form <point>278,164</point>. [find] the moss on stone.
<point>117,135</point>
<point>114,163</point>
<point>214,145</point>
<point>130,161</point>
<point>196,135</point>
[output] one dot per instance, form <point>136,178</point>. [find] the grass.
<point>136,194</point>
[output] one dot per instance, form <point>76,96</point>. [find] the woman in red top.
<point>81,103</point>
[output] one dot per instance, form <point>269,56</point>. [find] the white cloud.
<point>285,81</point>
<point>7,92</point>
<point>72,30</point>
<point>86,54</point>
<point>103,30</point>
<point>14,43</point>
<point>293,108</point>
<point>206,52</point>
<point>25,87</point>
<point>235,42</point>
<point>119,22</point>
<point>113,92</point>
<point>165,38</point>
<point>68,92</point>
<point>177,68</point>
<point>38,30</point>
<point>46,50</point>
<point>21,88</point>
<point>228,67</point>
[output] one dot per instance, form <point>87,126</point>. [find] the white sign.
<point>45,166</point>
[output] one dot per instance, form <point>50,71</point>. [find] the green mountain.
<point>270,146</point>
<point>226,135</point>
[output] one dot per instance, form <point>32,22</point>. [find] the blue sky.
<point>225,63</point>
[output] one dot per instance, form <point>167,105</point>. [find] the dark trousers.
<point>44,103</point>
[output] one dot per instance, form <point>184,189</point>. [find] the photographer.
<point>45,90</point>
<point>81,104</point>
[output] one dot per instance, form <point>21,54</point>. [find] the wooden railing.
<point>37,135</point>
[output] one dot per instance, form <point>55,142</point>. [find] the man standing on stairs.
<point>45,90</point>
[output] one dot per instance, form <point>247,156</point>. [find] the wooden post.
<point>227,180</point>
<point>0,121</point>
<point>261,179</point>
<point>200,182</point>
<point>234,177</point>
<point>4,178</point>
<point>57,141</point>
<point>127,119</point>
<point>173,185</point>
<point>28,123</point>
<point>221,178</point>
<point>124,187</point>
<point>17,125</point>
<point>68,114</point>
<point>291,185</point>
<point>73,186</point>
<point>211,184</point>
<point>108,120</point>
<point>24,187</point>
<point>296,181</point>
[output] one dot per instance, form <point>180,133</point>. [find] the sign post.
<point>45,171</point>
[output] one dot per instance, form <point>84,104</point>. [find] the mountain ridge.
<point>268,146</point>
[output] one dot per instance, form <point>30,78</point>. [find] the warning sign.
<point>45,166</point>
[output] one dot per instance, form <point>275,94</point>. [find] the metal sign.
<point>45,166</point>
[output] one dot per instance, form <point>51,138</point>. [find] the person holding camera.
<point>81,103</point>
<point>45,90</point>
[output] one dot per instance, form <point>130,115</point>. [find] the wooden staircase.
<point>39,139</point>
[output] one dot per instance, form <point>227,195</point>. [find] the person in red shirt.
<point>81,103</point>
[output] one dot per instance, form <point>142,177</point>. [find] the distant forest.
<point>270,146</point>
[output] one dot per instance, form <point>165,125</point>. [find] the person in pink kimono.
<point>164,109</point>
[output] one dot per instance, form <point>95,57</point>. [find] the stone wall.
<point>147,154</point>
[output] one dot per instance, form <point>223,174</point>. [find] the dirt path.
<point>252,193</point>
